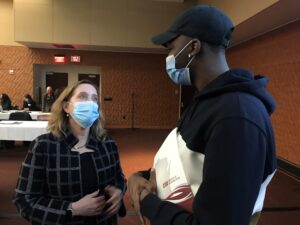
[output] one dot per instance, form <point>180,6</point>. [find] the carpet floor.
<point>137,148</point>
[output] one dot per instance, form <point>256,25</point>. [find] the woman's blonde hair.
<point>59,119</point>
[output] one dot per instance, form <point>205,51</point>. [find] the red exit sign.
<point>75,58</point>
<point>59,59</point>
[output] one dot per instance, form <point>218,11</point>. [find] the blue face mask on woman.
<point>178,76</point>
<point>85,113</point>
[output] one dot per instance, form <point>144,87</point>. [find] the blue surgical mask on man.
<point>85,113</point>
<point>178,76</point>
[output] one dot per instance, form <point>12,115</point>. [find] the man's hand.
<point>136,184</point>
<point>153,180</point>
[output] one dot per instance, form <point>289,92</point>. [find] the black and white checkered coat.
<point>50,178</point>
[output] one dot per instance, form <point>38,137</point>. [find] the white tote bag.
<point>171,181</point>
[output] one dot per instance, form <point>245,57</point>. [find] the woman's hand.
<point>115,200</point>
<point>89,205</point>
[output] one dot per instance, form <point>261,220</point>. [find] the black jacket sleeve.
<point>120,180</point>
<point>30,195</point>
<point>232,174</point>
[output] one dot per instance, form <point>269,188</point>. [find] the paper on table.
<point>10,122</point>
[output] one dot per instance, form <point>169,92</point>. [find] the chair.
<point>23,116</point>
<point>20,116</point>
<point>2,145</point>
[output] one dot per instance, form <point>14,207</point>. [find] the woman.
<point>72,175</point>
<point>5,102</point>
<point>29,103</point>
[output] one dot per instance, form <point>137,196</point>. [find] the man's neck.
<point>208,70</point>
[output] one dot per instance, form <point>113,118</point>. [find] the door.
<point>187,93</point>
<point>94,78</point>
<point>58,81</point>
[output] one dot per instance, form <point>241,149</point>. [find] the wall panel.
<point>276,54</point>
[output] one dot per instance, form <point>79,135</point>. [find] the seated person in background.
<point>5,102</point>
<point>28,103</point>
<point>85,183</point>
<point>1,109</point>
<point>48,99</point>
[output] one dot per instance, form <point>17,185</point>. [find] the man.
<point>48,99</point>
<point>225,136</point>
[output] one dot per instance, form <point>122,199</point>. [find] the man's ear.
<point>195,47</point>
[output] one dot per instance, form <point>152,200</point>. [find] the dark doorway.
<point>38,95</point>
<point>58,81</point>
<point>94,78</point>
<point>187,93</point>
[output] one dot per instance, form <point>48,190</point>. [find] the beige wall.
<point>117,23</point>
<point>7,23</point>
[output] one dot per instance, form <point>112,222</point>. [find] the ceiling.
<point>271,18</point>
<point>180,1</point>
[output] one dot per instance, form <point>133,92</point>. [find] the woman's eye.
<point>82,97</point>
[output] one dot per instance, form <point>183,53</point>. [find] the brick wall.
<point>277,55</point>
<point>123,74</point>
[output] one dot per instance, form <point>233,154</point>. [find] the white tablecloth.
<point>22,130</point>
<point>34,114</point>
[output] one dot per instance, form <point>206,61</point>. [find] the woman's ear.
<point>66,107</point>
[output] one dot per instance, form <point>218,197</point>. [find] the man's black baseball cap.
<point>203,22</point>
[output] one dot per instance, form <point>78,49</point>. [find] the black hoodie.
<point>228,124</point>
